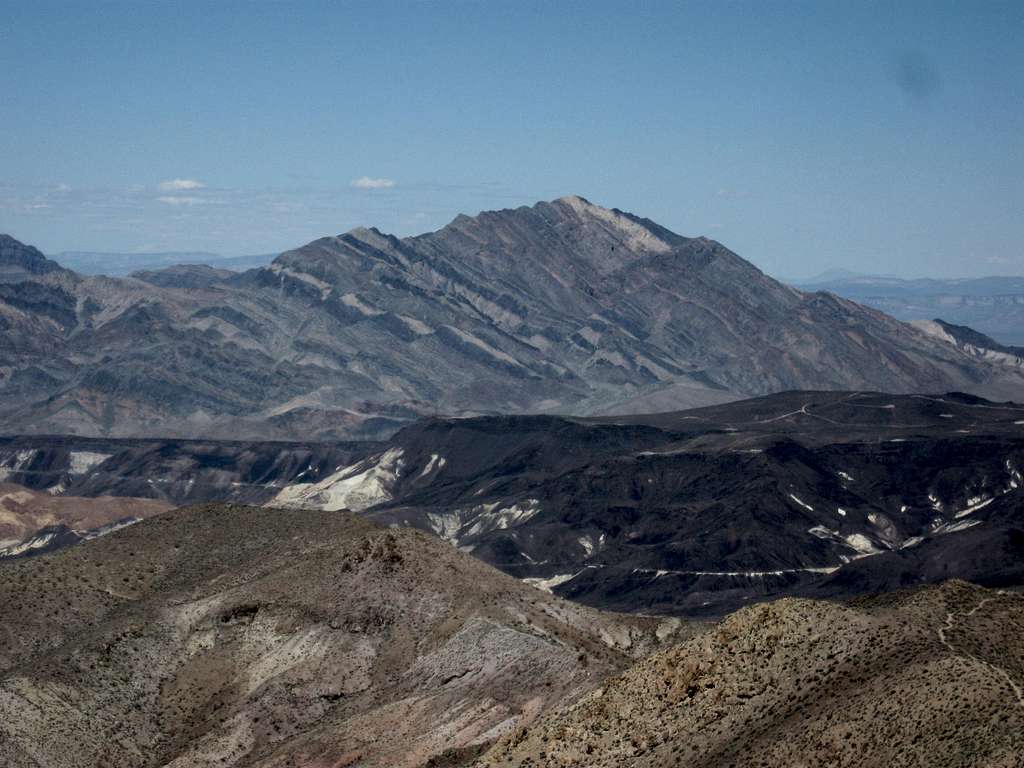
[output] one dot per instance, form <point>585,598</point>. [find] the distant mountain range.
<point>562,307</point>
<point>992,305</point>
<point>122,264</point>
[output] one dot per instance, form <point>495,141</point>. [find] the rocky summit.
<point>563,307</point>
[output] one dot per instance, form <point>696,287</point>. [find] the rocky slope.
<point>32,522</point>
<point>20,262</point>
<point>699,512</point>
<point>560,307</point>
<point>235,636</point>
<point>696,512</point>
<point>973,343</point>
<point>992,305</point>
<point>178,472</point>
<point>933,677</point>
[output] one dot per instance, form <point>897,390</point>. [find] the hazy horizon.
<point>876,137</point>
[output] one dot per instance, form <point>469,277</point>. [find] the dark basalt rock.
<point>696,512</point>
<point>700,512</point>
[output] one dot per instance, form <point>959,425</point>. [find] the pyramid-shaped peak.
<point>371,236</point>
<point>577,202</point>
<point>638,233</point>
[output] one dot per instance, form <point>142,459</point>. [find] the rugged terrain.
<point>824,494</point>
<point>564,306</point>
<point>992,305</point>
<point>698,512</point>
<point>972,342</point>
<point>237,636</point>
<point>32,522</point>
<point>931,677</point>
<point>178,472</point>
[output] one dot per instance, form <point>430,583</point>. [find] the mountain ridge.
<point>563,306</point>
<point>929,676</point>
<point>993,305</point>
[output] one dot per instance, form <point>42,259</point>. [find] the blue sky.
<point>879,137</point>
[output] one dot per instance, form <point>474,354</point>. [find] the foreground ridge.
<point>887,681</point>
<point>235,636</point>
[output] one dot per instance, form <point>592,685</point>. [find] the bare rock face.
<point>564,306</point>
<point>235,636</point>
<point>932,677</point>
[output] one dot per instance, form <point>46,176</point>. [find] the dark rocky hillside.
<point>696,512</point>
<point>561,307</point>
<point>824,494</point>
<point>178,472</point>
<point>19,262</point>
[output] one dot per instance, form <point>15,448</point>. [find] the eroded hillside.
<point>927,678</point>
<point>227,635</point>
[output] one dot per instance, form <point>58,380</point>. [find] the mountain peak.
<point>371,236</point>
<point>560,306</point>
<point>639,234</point>
<point>576,201</point>
<point>19,260</point>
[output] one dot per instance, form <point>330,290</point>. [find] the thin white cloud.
<point>178,185</point>
<point>365,182</point>
<point>181,200</point>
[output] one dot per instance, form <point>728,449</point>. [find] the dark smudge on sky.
<point>915,75</point>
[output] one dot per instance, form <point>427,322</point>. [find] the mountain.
<point>234,636</point>
<point>263,638</point>
<point>972,342</point>
<point>819,494</point>
<point>926,677</point>
<point>699,512</point>
<point>560,307</point>
<point>122,264</point>
<point>19,262</point>
<point>992,305</point>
